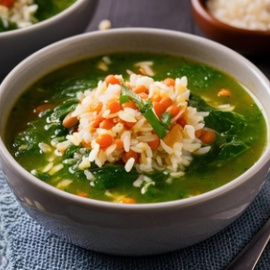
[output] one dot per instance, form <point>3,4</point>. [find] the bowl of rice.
<point>122,109</point>
<point>241,25</point>
<point>28,25</point>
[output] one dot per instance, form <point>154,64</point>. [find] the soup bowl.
<point>133,229</point>
<point>19,43</point>
<point>245,41</point>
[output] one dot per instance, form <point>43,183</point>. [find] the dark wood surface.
<point>164,14</point>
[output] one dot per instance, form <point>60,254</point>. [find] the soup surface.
<point>185,160</point>
<point>16,14</point>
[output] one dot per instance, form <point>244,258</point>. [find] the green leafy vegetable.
<point>146,108</point>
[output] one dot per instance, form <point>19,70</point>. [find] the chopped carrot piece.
<point>155,98</point>
<point>182,121</point>
<point>96,122</point>
<point>169,82</point>
<point>104,140</point>
<point>111,79</point>
<point>140,89</point>
<point>173,109</point>
<point>119,144</point>
<point>174,135</point>
<point>128,200</point>
<point>130,154</point>
<point>107,124</point>
<point>224,92</point>
<point>208,136</point>
<point>82,194</point>
<point>128,124</point>
<point>166,102</point>
<point>129,104</point>
<point>158,108</point>
<point>7,3</point>
<point>155,143</point>
<point>114,106</point>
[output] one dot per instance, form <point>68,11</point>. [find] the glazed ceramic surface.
<point>133,229</point>
<point>18,44</point>
<point>245,41</point>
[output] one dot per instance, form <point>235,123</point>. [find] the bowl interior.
<point>138,40</point>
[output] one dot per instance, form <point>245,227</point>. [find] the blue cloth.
<point>26,245</point>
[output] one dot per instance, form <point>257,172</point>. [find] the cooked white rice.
<point>249,14</point>
<point>21,13</point>
<point>173,156</point>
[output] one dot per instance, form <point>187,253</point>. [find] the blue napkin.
<point>26,245</point>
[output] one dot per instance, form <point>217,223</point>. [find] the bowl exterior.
<point>244,41</point>
<point>133,229</point>
<point>18,44</point>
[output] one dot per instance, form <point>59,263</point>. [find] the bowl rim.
<point>200,8</point>
<point>4,153</point>
<point>43,24</point>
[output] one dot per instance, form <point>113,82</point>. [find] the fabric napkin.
<point>26,245</point>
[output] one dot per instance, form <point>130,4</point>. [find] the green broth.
<point>204,174</point>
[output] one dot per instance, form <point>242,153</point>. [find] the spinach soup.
<point>136,128</point>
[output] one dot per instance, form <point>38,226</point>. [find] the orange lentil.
<point>166,102</point>
<point>155,98</point>
<point>96,107</point>
<point>82,194</point>
<point>140,89</point>
<point>95,123</point>
<point>129,104</point>
<point>143,95</point>
<point>158,108</point>
<point>182,121</point>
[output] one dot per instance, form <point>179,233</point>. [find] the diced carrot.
<point>114,106</point>
<point>173,109</point>
<point>166,102</point>
<point>208,136</point>
<point>182,121</point>
<point>140,89</point>
<point>158,108</point>
<point>155,143</point>
<point>111,79</point>
<point>107,124</point>
<point>128,125</point>
<point>155,98</point>
<point>129,104</point>
<point>169,82</point>
<point>174,135</point>
<point>95,123</point>
<point>130,154</point>
<point>128,200</point>
<point>43,108</point>
<point>7,3</point>
<point>104,140</point>
<point>82,194</point>
<point>119,144</point>
<point>224,92</point>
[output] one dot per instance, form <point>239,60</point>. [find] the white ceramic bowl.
<point>141,229</point>
<point>17,44</point>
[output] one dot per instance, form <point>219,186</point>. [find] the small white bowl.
<point>17,44</point>
<point>141,229</point>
